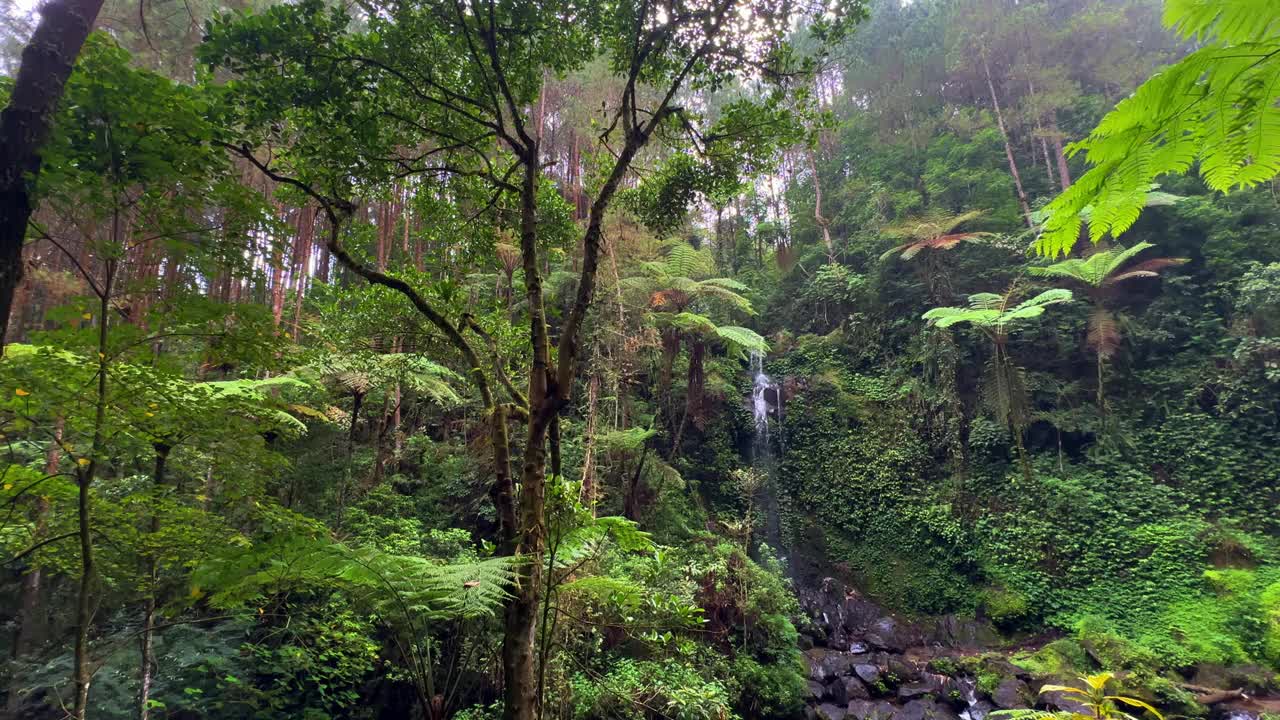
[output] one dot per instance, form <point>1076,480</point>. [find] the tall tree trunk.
<point>83,672</point>
<point>588,454</point>
<point>1064,173</point>
<point>147,641</point>
<point>818,217</point>
<point>47,61</point>
<point>1008,147</point>
<point>521,614</point>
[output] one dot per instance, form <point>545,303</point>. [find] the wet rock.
<point>886,635</point>
<point>859,648</point>
<point>956,632</point>
<point>867,673</point>
<point>827,711</point>
<point>1066,702</point>
<point>903,670</point>
<point>816,691</point>
<point>826,664</point>
<point>855,690</point>
<point>926,710</point>
<point>1011,693</point>
<point>928,684</point>
<point>835,692</point>
<point>978,710</point>
<point>870,710</point>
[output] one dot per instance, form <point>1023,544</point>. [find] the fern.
<point>1217,107</point>
<point>744,340</point>
<point>387,583</point>
<point>931,232</point>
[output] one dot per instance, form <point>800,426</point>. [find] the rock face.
<point>869,664</point>
<point>1011,693</point>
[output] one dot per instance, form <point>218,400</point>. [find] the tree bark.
<point>147,664</point>
<point>47,61</point>
<point>588,453</point>
<point>818,217</point>
<point>82,672</point>
<point>1064,173</point>
<point>1008,147</point>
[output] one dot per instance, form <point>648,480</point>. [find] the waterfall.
<point>761,385</point>
<point>764,395</point>
<point>976,710</point>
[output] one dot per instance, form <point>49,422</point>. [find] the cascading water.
<point>977,709</point>
<point>761,385</point>
<point>764,396</point>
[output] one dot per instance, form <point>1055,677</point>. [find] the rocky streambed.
<point>866,663</point>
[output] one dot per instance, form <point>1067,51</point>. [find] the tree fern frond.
<point>1222,20</point>
<point>745,340</point>
<point>1216,106</point>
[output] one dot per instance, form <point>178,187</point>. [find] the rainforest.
<point>640,359</point>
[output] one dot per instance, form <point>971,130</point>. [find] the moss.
<point>1060,657</point>
<point>1005,607</point>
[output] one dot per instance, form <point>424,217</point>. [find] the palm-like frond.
<point>1216,107</point>
<point>1102,268</point>
<point>1231,21</point>
<point>991,311</point>
<point>391,584</point>
<point>365,371</point>
<point>931,232</point>
<point>744,340</point>
<point>683,260</point>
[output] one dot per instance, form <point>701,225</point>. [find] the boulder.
<point>1011,693</point>
<point>926,710</point>
<point>827,711</point>
<point>870,710</point>
<point>1067,702</point>
<point>957,632</point>
<point>826,664</point>
<point>816,691</point>
<point>903,669</point>
<point>886,634</point>
<point>868,673</point>
<point>929,684</point>
<point>855,690</point>
<point>835,692</point>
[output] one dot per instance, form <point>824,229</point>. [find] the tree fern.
<point>931,232</point>
<point>744,340</point>
<point>388,583</point>
<point>1217,107</point>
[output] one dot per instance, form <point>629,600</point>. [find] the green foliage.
<point>1215,107</point>
<point>991,312</point>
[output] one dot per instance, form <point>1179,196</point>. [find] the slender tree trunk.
<point>147,641</point>
<point>83,672</point>
<point>588,454</point>
<point>47,61</point>
<point>521,616</point>
<point>1064,172</point>
<point>1048,164</point>
<point>818,217</point>
<point>1008,147</point>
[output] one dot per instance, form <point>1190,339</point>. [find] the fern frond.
<point>745,340</point>
<point>1216,106</point>
<point>1230,21</point>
